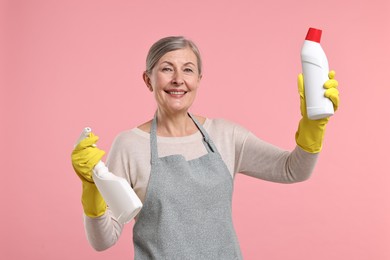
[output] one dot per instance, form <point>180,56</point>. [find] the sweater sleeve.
<point>102,232</point>
<point>259,159</point>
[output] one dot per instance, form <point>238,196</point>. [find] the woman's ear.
<point>146,78</point>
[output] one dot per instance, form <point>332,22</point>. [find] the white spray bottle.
<point>116,191</point>
<point>315,71</point>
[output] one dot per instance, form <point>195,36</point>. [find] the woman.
<point>182,166</point>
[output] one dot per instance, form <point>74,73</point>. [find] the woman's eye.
<point>167,69</point>
<point>188,70</point>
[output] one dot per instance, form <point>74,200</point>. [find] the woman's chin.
<point>176,109</point>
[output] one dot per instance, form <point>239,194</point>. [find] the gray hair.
<point>167,44</point>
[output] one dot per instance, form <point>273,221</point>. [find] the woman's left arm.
<point>265,161</point>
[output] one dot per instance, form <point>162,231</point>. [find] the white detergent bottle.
<point>315,71</point>
<point>116,191</point>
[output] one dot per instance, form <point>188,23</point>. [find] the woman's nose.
<point>177,79</point>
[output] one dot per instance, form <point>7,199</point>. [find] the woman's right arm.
<point>104,231</point>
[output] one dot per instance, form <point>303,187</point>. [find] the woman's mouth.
<point>176,93</point>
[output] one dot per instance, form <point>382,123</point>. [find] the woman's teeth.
<point>176,92</point>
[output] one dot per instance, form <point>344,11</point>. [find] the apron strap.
<point>153,140</point>
<point>209,145</point>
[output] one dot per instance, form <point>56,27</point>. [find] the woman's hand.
<point>331,91</point>
<point>84,157</point>
<point>310,133</point>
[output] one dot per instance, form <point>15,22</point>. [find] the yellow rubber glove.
<point>310,133</point>
<point>84,157</point>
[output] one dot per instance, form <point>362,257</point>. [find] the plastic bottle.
<point>315,71</point>
<point>116,191</point>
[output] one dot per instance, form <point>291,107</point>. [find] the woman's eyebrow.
<point>185,64</point>
<point>189,63</point>
<point>169,63</point>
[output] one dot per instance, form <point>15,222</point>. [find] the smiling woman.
<point>173,73</point>
<point>182,166</point>
<point>174,81</point>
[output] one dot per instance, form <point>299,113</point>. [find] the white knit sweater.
<point>241,151</point>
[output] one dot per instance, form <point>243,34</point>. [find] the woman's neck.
<point>175,125</point>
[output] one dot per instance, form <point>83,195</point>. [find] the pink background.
<point>70,64</point>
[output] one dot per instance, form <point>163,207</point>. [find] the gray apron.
<point>187,212</point>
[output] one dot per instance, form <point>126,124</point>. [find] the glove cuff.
<point>92,201</point>
<point>310,134</point>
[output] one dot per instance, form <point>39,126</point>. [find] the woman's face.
<point>174,80</point>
